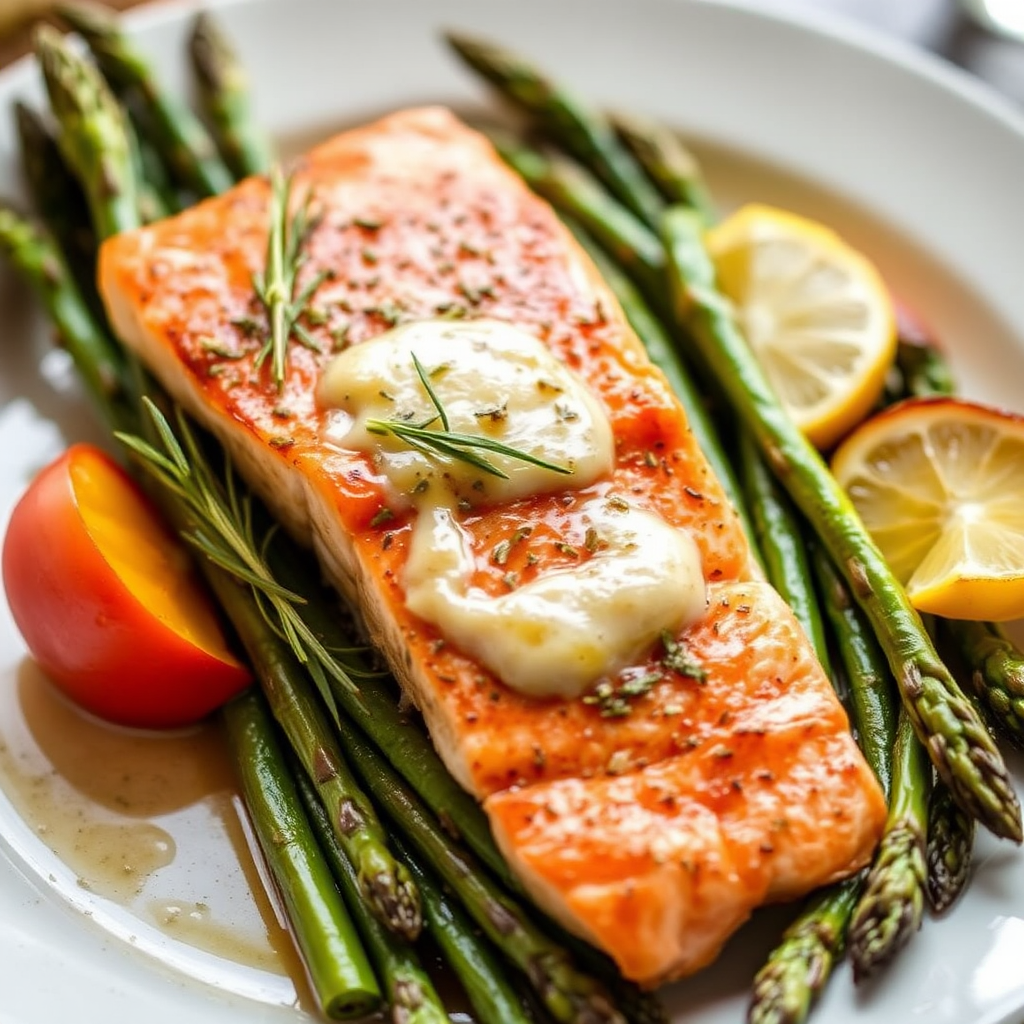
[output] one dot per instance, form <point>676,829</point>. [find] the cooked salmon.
<point>653,823</point>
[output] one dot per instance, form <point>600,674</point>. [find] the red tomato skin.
<point>87,631</point>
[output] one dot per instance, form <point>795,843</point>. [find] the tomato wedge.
<point>108,602</point>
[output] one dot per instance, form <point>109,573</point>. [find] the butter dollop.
<point>559,634</point>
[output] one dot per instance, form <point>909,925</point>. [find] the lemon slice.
<point>815,312</point>
<point>939,484</point>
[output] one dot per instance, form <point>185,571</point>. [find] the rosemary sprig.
<point>450,444</point>
<point>224,532</point>
<point>276,286</point>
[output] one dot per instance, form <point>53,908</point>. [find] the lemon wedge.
<point>939,483</point>
<point>815,312</point>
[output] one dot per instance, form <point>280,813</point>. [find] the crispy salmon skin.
<point>732,780</point>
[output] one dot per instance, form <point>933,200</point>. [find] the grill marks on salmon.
<point>655,833</point>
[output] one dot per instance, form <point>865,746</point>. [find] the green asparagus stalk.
<point>574,192</point>
<point>892,904</point>
<point>408,990</point>
<point>59,201</point>
<point>491,994</point>
<point>583,132</point>
<point>383,881</point>
<point>93,135</point>
<point>946,722</point>
<point>950,842</point>
<point>794,975</point>
<point>342,977</point>
<point>225,101</point>
<point>996,667</point>
<point>568,995</point>
<point>38,259</point>
<point>183,141</point>
<point>668,162</point>
<point>778,535</point>
<point>152,206</point>
<point>873,701</point>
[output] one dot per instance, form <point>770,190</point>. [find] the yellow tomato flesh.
<point>136,546</point>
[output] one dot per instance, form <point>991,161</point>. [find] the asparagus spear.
<point>408,990</point>
<point>152,205</point>
<point>568,995</point>
<point>668,162</point>
<point>794,975</point>
<point>60,202</point>
<point>950,841</point>
<point>93,134</point>
<point>573,191</point>
<point>383,881</point>
<point>342,978</point>
<point>180,136</point>
<point>779,537</point>
<point>996,668</point>
<point>225,101</point>
<point>874,707</point>
<point>584,132</point>
<point>890,909</point>
<point>38,259</point>
<point>946,722</point>
<point>491,994</point>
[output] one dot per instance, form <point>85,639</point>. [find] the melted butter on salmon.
<point>654,833</point>
<point>561,632</point>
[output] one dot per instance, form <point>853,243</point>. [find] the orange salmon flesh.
<point>654,834</point>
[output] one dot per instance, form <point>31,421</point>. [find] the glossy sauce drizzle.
<point>149,822</point>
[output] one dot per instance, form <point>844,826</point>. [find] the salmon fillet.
<point>733,780</point>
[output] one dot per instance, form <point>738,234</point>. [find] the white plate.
<point>912,161</point>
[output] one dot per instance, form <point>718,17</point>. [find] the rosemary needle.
<point>223,531</point>
<point>277,286</point>
<point>451,444</point>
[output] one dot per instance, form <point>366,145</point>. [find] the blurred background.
<point>981,36</point>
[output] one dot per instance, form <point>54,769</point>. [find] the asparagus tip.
<point>91,20</point>
<point>213,57</point>
<point>950,841</point>
<point>396,901</point>
<point>891,908</point>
